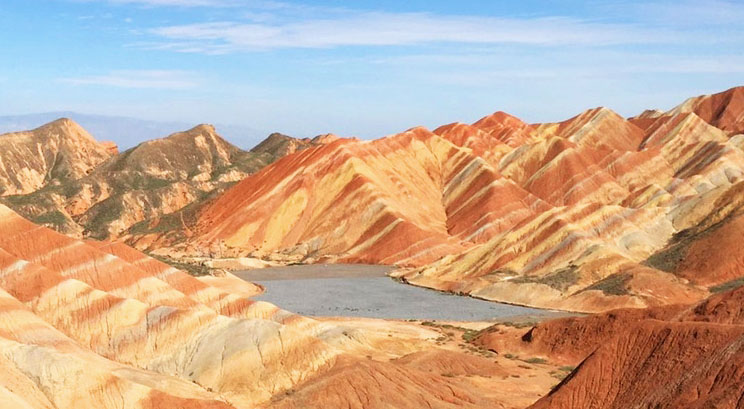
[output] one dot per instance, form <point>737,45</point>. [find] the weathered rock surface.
<point>667,357</point>
<point>147,186</point>
<point>655,364</point>
<point>565,215</point>
<point>54,153</point>
<point>99,324</point>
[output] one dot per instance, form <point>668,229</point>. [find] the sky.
<point>362,68</point>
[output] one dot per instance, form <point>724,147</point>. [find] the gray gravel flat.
<point>364,291</point>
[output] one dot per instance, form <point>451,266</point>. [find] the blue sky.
<point>364,68</point>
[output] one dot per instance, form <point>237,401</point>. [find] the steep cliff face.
<point>56,152</point>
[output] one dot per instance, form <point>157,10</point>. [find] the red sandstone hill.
<point>668,357</point>
<point>567,215</point>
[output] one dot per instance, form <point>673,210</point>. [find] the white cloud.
<point>386,29</point>
<point>152,79</point>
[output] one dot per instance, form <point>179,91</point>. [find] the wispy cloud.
<point>396,29</point>
<point>150,79</point>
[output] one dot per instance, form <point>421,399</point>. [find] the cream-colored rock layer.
<point>405,199</point>
<point>558,215</point>
<point>98,324</point>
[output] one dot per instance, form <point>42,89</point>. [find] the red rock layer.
<point>558,215</point>
<point>100,325</point>
<point>155,335</point>
<point>674,356</point>
<point>354,383</point>
<point>656,364</point>
<point>724,110</point>
<point>406,199</point>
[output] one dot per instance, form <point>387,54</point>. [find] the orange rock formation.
<point>559,215</point>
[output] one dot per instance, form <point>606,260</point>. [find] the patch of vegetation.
<point>503,272</point>
<point>616,284</point>
<point>54,218</point>
<point>562,372</point>
<point>519,324</point>
<point>470,335</point>
<point>727,286</point>
<point>196,270</point>
<point>176,221</point>
<point>669,258</point>
<point>103,214</point>
<point>511,356</point>
<point>561,280</point>
<point>535,361</point>
<point>145,182</point>
<point>41,197</point>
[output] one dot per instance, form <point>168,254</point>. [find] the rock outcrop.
<point>698,351</point>
<point>52,154</point>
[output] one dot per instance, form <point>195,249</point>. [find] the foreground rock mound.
<point>100,325</point>
<point>667,357</point>
<point>660,365</point>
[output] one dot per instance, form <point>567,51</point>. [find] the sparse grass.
<point>668,258</point>
<point>193,269</point>
<point>727,286</point>
<point>535,361</point>
<point>54,218</point>
<point>511,356</point>
<point>616,284</point>
<point>561,280</point>
<point>469,335</point>
<point>519,324</point>
<point>502,272</point>
<point>562,372</point>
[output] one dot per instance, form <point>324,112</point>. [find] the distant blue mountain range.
<point>128,132</point>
